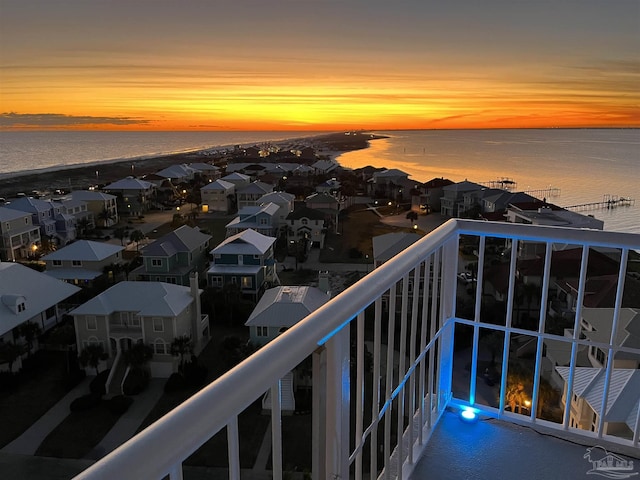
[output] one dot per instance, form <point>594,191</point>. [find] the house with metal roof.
<point>102,205</point>
<point>29,296</point>
<point>218,196</point>
<point>51,216</point>
<point>261,218</point>
<point>19,237</point>
<point>587,394</point>
<point>245,260</point>
<point>249,195</point>
<point>82,262</point>
<point>307,223</point>
<point>286,202</point>
<point>153,313</point>
<point>387,246</point>
<point>173,257</point>
<point>133,195</point>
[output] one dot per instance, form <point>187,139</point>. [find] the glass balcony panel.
<point>564,271</point>
<point>528,286</point>
<point>521,368</point>
<point>467,275</point>
<point>495,280</point>
<point>489,371</point>
<point>462,362</point>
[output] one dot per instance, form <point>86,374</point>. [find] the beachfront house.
<point>153,313</point>
<point>391,183</point>
<point>205,172</point>
<point>19,237</point>
<point>249,195</point>
<point>174,257</point>
<point>29,296</point>
<point>218,196</point>
<point>324,166</point>
<point>308,225</point>
<point>427,196</point>
<point>102,205</point>
<point>244,261</point>
<point>83,261</point>
<point>585,399</point>
<point>177,174</point>
<point>133,196</point>
<point>452,200</point>
<point>55,223</point>
<point>261,218</point>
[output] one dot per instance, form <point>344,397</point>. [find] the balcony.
<point>392,367</point>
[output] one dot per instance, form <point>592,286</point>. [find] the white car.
<point>466,277</point>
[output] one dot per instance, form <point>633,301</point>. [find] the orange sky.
<point>318,65</point>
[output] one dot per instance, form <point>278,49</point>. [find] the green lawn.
<point>35,394</point>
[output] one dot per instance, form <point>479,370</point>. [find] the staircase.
<point>287,401</point>
<point>116,377</point>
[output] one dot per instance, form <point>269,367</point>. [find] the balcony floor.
<point>490,449</point>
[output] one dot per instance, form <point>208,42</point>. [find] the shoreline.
<point>81,176</point>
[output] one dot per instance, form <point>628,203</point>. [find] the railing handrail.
<point>200,417</point>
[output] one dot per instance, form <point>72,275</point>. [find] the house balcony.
<point>390,379</point>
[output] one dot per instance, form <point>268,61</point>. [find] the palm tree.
<point>494,342</point>
<point>83,226</point>
<point>105,216</point>
<point>138,355</point>
<point>29,330</point>
<point>92,355</point>
<point>413,216</point>
<point>120,233</point>
<point>181,346</point>
<point>136,236</point>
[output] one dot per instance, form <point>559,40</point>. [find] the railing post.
<point>276,430</point>
<point>447,311</point>
<point>318,413</point>
<point>338,398</point>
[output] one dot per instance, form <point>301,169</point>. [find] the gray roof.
<point>623,399</point>
<point>321,197</point>
<point>256,187</point>
<point>88,195</point>
<point>145,298</point>
<point>247,242</point>
<point>390,244</point>
<point>38,290</point>
<point>219,185</point>
<point>286,306</point>
<point>130,183</point>
<point>182,239</point>
<point>277,197</point>
<point>29,204</point>
<point>73,273</point>
<point>85,250</point>
<point>8,214</point>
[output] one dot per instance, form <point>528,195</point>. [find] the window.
<point>247,282</point>
<point>263,221</point>
<point>76,263</point>
<point>156,262</point>
<point>594,422</point>
<point>135,321</point>
<point>600,356</point>
<point>216,281</point>
<point>159,347</point>
<point>124,318</point>
<point>92,324</point>
<point>171,280</point>
<point>305,221</point>
<point>158,325</point>
<point>91,341</point>
<point>57,263</point>
<point>7,226</point>
<point>21,307</point>
<point>262,331</point>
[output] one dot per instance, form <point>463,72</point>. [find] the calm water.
<point>27,151</point>
<point>585,165</point>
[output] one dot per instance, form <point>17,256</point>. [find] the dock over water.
<point>608,201</point>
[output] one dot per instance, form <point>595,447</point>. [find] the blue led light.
<point>468,415</point>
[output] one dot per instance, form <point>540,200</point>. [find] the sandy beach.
<point>83,176</point>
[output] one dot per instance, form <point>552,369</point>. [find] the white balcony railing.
<point>401,345</point>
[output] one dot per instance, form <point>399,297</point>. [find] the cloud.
<point>53,120</point>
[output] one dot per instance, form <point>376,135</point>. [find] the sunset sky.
<point>318,64</point>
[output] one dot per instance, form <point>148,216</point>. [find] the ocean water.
<point>44,150</point>
<point>584,165</point>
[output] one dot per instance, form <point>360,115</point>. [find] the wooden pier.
<point>544,192</point>
<point>608,202</point>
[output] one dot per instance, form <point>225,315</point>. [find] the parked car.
<point>466,277</point>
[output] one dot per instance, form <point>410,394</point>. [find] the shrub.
<point>175,383</point>
<point>85,402</point>
<point>136,381</point>
<point>119,404</point>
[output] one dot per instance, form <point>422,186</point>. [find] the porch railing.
<point>394,350</point>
